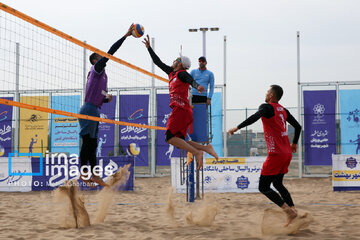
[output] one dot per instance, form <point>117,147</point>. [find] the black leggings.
<point>276,180</point>
<point>88,151</point>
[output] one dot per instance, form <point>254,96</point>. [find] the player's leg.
<point>84,159</point>
<point>93,163</point>
<point>182,144</point>
<point>291,213</point>
<point>278,184</point>
<point>176,130</point>
<point>264,188</point>
<point>208,148</point>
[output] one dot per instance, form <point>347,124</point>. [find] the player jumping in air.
<point>95,95</point>
<point>181,115</point>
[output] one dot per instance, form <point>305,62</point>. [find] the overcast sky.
<point>261,37</point>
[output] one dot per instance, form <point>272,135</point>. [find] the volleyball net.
<point>38,61</point>
<point>43,75</point>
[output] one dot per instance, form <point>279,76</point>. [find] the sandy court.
<point>141,214</point>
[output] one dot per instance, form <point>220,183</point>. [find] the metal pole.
<point>117,127</point>
<point>337,117</point>
<point>246,134</point>
<point>17,99</point>
<point>84,74</point>
<point>224,99</point>
<point>191,180</point>
<point>153,114</point>
<point>204,43</point>
<point>299,102</point>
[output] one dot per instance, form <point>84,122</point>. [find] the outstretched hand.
<point>147,41</point>
<point>129,31</point>
<point>233,130</point>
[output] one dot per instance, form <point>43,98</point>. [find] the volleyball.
<point>138,30</point>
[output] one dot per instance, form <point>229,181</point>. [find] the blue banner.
<point>65,130</point>
<point>164,151</point>
<point>319,126</point>
<point>5,128</point>
<point>106,136</point>
<point>134,140</point>
<point>350,121</point>
<point>216,119</point>
<point>58,169</point>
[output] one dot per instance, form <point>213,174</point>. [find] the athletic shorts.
<point>88,126</point>
<point>276,163</point>
<point>179,122</point>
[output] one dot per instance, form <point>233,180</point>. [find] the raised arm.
<point>155,58</point>
<point>265,110</point>
<point>101,64</point>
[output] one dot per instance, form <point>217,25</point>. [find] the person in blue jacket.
<point>205,78</point>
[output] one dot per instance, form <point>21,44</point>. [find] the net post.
<point>191,182</point>
<point>153,114</point>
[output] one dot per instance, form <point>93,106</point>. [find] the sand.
<point>142,214</point>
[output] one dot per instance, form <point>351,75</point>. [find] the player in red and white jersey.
<point>181,116</point>
<point>274,118</point>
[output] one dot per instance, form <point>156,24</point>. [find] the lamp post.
<point>204,30</point>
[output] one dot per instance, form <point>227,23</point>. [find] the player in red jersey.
<point>181,115</point>
<point>274,118</point>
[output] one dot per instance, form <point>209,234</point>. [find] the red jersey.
<point>275,133</point>
<point>179,91</point>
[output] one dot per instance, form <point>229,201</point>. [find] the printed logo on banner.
<point>242,182</point>
<point>209,179</point>
<point>136,115</point>
<point>3,115</point>
<point>319,111</point>
<point>351,162</point>
<point>227,179</point>
<point>34,118</point>
<point>354,116</point>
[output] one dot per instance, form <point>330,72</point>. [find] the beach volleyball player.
<point>181,115</point>
<point>274,118</point>
<point>95,95</point>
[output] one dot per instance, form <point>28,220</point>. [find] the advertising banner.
<point>33,126</point>
<point>134,140</point>
<point>65,130</point>
<point>235,174</point>
<point>5,128</point>
<point>216,119</point>
<point>346,172</point>
<point>15,183</point>
<point>319,126</point>
<point>350,121</point>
